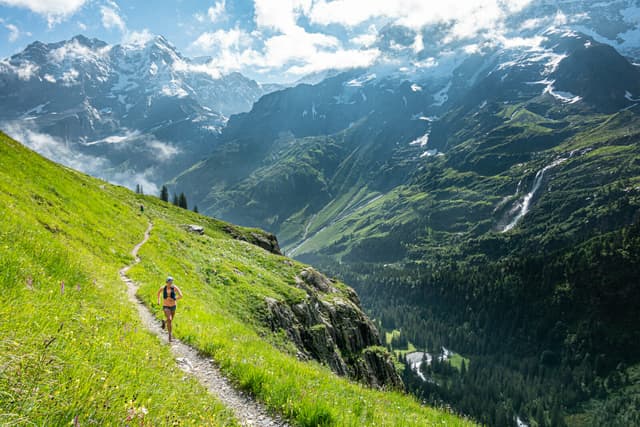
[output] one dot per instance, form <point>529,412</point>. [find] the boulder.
<point>266,241</point>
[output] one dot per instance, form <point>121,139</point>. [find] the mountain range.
<point>131,112</point>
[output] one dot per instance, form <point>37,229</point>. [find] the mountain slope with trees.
<point>500,220</point>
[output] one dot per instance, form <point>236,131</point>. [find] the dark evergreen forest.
<point>548,333</point>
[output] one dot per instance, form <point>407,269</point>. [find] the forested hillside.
<point>501,223</point>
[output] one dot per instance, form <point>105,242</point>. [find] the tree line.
<point>179,200</point>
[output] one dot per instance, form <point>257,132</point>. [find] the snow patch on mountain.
<point>553,62</point>
<point>628,95</point>
<point>174,90</point>
<point>38,109</point>
<point>70,77</point>
<point>562,96</point>
<point>429,153</point>
<point>361,80</point>
<point>421,141</point>
<point>442,96</point>
<point>116,139</point>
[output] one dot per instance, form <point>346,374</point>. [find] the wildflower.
<point>78,287</point>
<point>76,423</point>
<point>62,287</point>
<point>30,283</point>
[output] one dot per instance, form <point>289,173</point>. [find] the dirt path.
<point>247,410</point>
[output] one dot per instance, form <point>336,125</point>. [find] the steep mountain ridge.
<point>141,107</point>
<point>282,162</point>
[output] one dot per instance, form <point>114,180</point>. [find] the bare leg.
<point>169,315</point>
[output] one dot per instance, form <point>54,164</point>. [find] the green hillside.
<point>72,345</point>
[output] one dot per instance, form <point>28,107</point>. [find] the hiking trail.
<point>246,409</point>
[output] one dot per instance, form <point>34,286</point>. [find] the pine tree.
<point>182,201</point>
<point>195,209</point>
<point>176,201</point>
<point>164,194</point>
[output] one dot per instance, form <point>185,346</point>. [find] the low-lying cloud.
<point>57,150</point>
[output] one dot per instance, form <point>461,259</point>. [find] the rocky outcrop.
<point>330,327</point>
<point>266,241</point>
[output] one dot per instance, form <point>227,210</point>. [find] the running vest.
<point>172,294</point>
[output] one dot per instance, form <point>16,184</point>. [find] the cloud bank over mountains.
<point>275,41</point>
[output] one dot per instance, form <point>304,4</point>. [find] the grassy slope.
<point>83,353</point>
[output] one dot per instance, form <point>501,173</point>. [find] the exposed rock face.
<point>329,326</point>
<point>266,241</point>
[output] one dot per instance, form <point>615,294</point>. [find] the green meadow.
<point>73,349</point>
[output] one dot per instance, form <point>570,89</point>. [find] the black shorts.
<point>169,307</point>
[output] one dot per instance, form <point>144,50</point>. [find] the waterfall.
<point>522,206</point>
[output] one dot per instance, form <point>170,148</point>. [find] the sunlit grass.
<point>80,351</point>
<point>71,345</point>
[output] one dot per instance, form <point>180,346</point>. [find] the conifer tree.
<point>164,194</point>
<point>176,201</point>
<point>182,201</point>
<point>195,208</point>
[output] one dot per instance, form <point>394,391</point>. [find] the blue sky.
<point>268,40</point>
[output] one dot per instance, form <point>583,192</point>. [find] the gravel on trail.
<point>247,410</point>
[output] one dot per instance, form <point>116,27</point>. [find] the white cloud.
<point>532,43</point>
<point>54,149</point>
<point>468,17</point>
<point>75,50</point>
<point>129,179</point>
<point>58,150</point>
<point>367,39</point>
<point>162,150</point>
<point>111,19</point>
<point>14,33</point>
<point>296,45</point>
<point>53,10</point>
<point>339,60</point>
<point>138,38</point>
<point>82,26</point>
<point>211,68</point>
<point>280,15</point>
<point>364,40</point>
<point>25,70</point>
<point>533,23</point>
<point>216,11</point>
<point>222,40</point>
<point>280,43</point>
